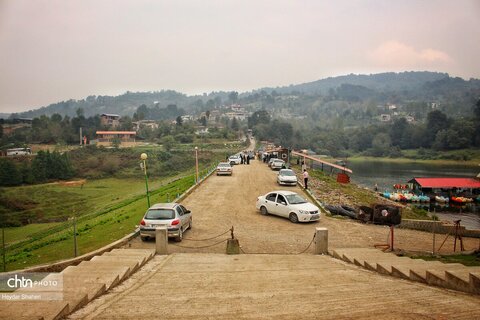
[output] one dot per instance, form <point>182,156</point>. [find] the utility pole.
<point>75,236</point>
<point>81,135</point>
<point>4,252</point>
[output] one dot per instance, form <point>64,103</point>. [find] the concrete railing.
<point>437,227</point>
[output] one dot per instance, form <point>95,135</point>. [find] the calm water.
<point>386,174</point>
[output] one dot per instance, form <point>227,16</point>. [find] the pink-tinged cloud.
<point>395,54</point>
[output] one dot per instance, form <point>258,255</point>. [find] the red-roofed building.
<point>467,186</point>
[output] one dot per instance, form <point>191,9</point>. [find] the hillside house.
<point>110,120</point>
<point>152,124</point>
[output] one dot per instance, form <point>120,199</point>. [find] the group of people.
<point>244,158</point>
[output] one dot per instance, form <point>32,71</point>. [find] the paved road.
<point>224,201</point>
<point>207,284</point>
<point>218,286</point>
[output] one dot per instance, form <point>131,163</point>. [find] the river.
<point>385,174</point>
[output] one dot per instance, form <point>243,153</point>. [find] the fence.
<point>62,234</point>
<point>431,238</point>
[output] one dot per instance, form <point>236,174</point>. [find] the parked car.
<point>174,216</point>
<point>287,177</point>
<point>224,168</point>
<point>289,205</point>
<point>277,164</point>
<point>235,159</point>
<point>271,161</point>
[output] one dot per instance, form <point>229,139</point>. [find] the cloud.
<point>398,55</point>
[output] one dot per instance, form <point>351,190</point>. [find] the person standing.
<point>305,178</point>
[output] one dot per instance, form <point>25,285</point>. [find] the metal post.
<point>144,157</point>
<point>75,250</point>
<point>196,164</point>
<point>434,226</point>
<point>391,237</point>
<point>146,182</point>
<point>4,251</point>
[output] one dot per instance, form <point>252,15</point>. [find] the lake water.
<point>386,174</point>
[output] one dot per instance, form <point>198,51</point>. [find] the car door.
<point>187,214</point>
<point>282,206</point>
<point>182,217</point>
<point>270,203</point>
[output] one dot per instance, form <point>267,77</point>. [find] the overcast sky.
<point>53,50</point>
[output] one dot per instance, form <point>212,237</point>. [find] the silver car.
<point>287,177</point>
<point>224,168</point>
<point>174,216</point>
<point>277,164</point>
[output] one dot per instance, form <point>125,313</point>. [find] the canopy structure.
<point>447,183</point>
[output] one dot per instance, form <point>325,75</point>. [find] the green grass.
<point>95,232</point>
<point>469,260</point>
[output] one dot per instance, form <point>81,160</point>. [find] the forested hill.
<point>382,88</point>
<point>412,82</point>
<point>389,81</point>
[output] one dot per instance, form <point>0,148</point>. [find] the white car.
<point>289,205</point>
<point>235,159</point>
<point>277,164</point>
<point>287,177</point>
<point>224,168</point>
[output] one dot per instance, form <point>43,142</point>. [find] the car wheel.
<point>179,238</point>
<point>293,217</point>
<point>190,224</point>
<point>263,211</point>
<point>143,238</point>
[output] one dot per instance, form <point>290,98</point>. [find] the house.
<point>385,117</point>
<point>110,120</point>
<point>237,115</point>
<point>152,124</point>
<point>106,138</point>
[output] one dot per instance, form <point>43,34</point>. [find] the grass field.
<point>106,210</point>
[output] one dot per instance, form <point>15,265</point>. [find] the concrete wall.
<point>438,226</point>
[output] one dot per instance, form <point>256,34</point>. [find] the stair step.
<point>148,253</point>
<point>134,263</point>
<point>463,280</point>
<point>124,270</point>
<point>107,277</point>
<point>33,309</point>
<point>437,272</point>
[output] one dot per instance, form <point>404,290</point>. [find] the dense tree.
<point>9,174</point>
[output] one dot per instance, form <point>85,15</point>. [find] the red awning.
<point>465,183</point>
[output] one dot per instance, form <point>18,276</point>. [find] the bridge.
<point>277,276</point>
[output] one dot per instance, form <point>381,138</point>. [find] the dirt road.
<point>225,201</point>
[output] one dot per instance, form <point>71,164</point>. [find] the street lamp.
<point>143,165</point>
<point>196,163</point>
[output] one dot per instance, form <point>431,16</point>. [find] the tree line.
<point>44,167</point>
<point>439,133</point>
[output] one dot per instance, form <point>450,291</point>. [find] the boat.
<point>461,200</point>
<point>441,199</point>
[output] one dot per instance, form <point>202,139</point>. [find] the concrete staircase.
<point>81,284</point>
<point>446,275</point>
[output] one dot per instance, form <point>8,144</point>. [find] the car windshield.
<point>160,214</point>
<point>295,199</point>
<point>287,173</point>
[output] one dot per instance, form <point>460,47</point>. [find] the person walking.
<point>305,178</point>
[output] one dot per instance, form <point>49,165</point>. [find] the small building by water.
<point>446,186</point>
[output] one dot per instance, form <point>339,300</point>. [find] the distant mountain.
<point>413,85</point>
<point>389,81</point>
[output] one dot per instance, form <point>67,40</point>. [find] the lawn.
<point>93,230</point>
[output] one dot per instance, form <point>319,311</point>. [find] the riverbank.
<point>470,157</point>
